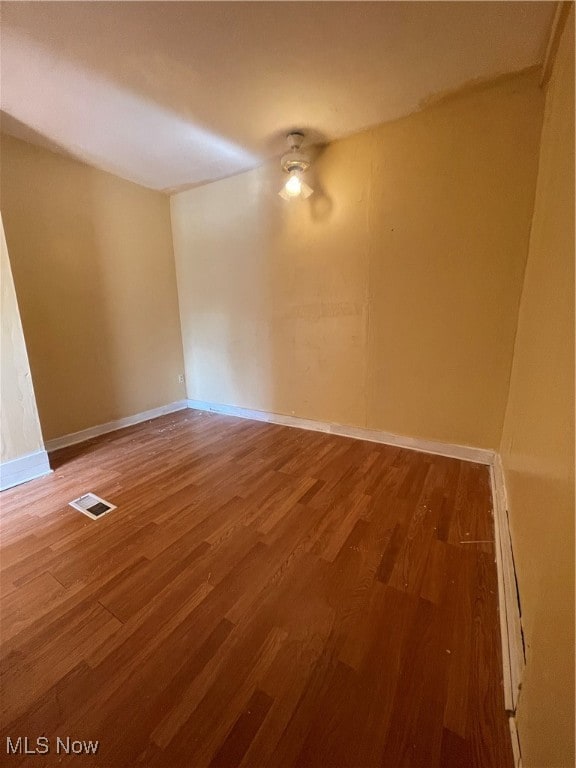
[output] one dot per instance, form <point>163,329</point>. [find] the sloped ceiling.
<point>180,93</point>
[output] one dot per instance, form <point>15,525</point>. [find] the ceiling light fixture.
<point>295,163</point>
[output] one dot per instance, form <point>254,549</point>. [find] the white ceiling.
<point>179,93</point>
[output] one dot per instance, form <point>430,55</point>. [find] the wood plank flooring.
<point>262,596</point>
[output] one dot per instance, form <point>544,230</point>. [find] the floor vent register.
<point>92,506</point>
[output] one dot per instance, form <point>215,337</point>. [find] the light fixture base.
<point>295,139</point>
<point>295,160</point>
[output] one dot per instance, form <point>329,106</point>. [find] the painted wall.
<point>94,272</point>
<point>20,432</point>
<point>538,439</point>
<point>387,300</point>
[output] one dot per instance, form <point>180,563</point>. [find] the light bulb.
<point>293,186</point>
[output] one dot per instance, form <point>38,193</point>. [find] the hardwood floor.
<point>262,596</point>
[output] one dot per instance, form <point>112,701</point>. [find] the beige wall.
<point>94,271</point>
<point>387,300</point>
<point>20,432</point>
<point>538,439</point>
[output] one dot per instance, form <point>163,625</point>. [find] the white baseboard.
<point>477,455</point>
<point>23,468</point>
<point>510,623</point>
<point>515,743</point>
<point>112,426</point>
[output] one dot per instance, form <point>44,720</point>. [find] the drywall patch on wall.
<point>20,433</point>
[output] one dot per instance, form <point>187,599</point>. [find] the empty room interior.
<point>287,384</point>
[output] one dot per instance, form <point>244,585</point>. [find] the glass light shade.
<point>293,186</point>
